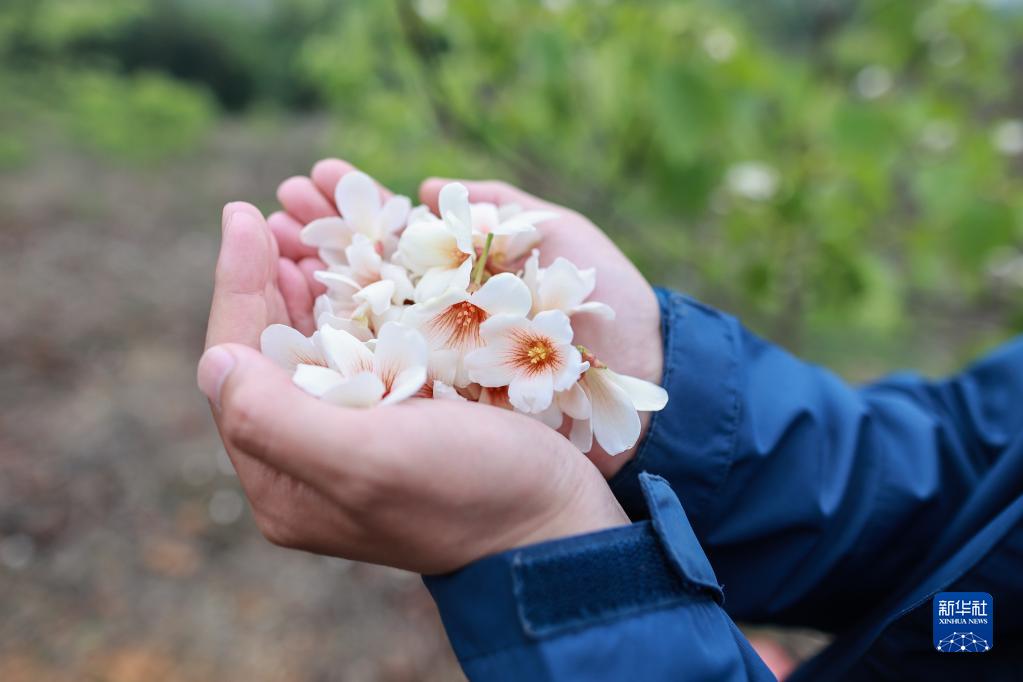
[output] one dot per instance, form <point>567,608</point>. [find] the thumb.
<point>262,413</point>
<point>492,191</point>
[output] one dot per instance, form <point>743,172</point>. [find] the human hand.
<point>630,344</point>
<point>426,485</point>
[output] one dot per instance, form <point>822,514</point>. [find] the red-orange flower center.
<point>534,354</point>
<point>458,325</point>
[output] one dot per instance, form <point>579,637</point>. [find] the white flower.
<point>533,358</point>
<point>365,267</point>
<point>338,314</point>
<point>440,250</point>
<point>453,319</point>
<point>358,200</point>
<point>290,348</point>
<point>514,231</point>
<point>356,376</point>
<point>563,286</point>
<point>615,401</point>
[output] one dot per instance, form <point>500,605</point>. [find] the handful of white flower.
<point>426,306</point>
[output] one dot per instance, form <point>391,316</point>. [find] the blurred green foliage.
<point>814,165</point>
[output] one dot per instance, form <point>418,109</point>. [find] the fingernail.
<point>214,367</point>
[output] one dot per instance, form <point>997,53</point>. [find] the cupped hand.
<point>426,485</point>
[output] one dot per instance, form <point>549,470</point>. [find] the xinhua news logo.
<point>964,622</point>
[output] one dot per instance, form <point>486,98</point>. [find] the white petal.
<point>555,324</point>
<point>443,365</point>
<point>596,308</point>
<point>581,435</point>
<point>531,274</point>
<point>563,286</point>
<point>454,209</point>
<point>326,233</point>
<point>394,214</point>
<point>356,329</point>
<point>486,367</point>
<point>405,385</point>
<point>289,347</point>
<point>358,200</point>
<point>552,416</point>
<point>485,217</point>
<point>615,421</point>
<point>316,380</point>
<point>442,391</point>
<point>645,396</point>
<point>362,390</point>
<point>403,289</point>
<point>531,393</point>
<point>439,280</point>
<point>428,244</point>
<point>574,402</point>
<point>504,294</point>
<point>494,329</point>
<point>337,282</point>
<point>571,369</point>
<point>363,259</point>
<point>398,348</point>
<point>377,295</point>
<point>345,352</point>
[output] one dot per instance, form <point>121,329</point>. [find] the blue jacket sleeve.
<point>812,497</point>
<point>633,603</point>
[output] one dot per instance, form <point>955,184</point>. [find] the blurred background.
<point>846,176</point>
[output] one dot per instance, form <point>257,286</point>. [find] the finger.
<point>245,266</point>
<point>328,172</point>
<point>286,231</point>
<point>491,191</point>
<point>300,197</point>
<point>261,412</point>
<point>309,266</point>
<point>297,298</point>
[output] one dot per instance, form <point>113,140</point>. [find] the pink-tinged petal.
<point>571,368</point>
<point>358,201</point>
<point>345,352</point>
<point>486,366</point>
<point>497,397</point>
<point>394,213</point>
<point>551,417</point>
<point>616,424</point>
<point>485,217</point>
<point>595,308</point>
<point>316,380</point>
<point>563,286</point>
<point>504,294</point>
<point>581,435</point>
<point>531,393</point>
<point>574,402</point>
<point>362,390</point>
<point>645,396</point>
<point>428,244</point>
<point>555,324</point>
<point>289,347</point>
<point>405,385</point>
<point>377,295</point>
<point>363,259</point>
<point>327,233</point>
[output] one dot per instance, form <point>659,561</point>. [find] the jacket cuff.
<point>516,598</point>
<point>691,442</point>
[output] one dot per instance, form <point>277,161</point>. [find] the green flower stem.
<point>477,274</point>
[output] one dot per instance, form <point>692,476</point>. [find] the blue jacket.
<point>770,491</point>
